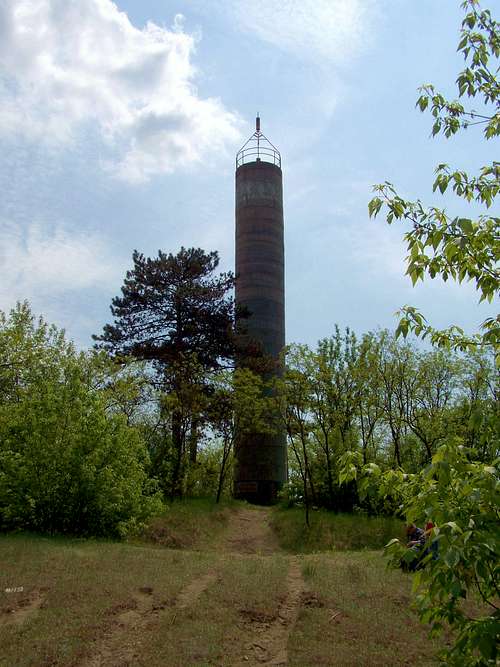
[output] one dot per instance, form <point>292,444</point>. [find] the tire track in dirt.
<point>23,608</point>
<point>190,593</point>
<point>130,617</point>
<point>269,643</point>
<point>263,641</point>
<point>121,642</point>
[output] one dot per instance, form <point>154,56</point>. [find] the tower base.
<point>261,492</point>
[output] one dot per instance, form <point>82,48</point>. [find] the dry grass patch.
<point>359,614</point>
<point>216,629</point>
<point>89,603</point>
<point>75,591</point>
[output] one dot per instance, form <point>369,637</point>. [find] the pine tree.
<point>175,313</point>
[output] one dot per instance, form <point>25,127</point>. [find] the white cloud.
<point>47,262</point>
<point>63,64</point>
<point>332,30</point>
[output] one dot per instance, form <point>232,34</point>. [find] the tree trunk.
<point>306,501</point>
<point>177,442</point>
<point>364,440</point>
<point>307,473</point>
<point>307,470</point>
<point>395,440</point>
<point>193,440</point>
<point>222,471</point>
<point>329,473</point>
<point>303,475</point>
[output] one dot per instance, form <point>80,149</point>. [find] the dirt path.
<point>268,643</point>
<point>249,532</point>
<point>259,642</point>
<point>121,642</point>
<point>115,647</point>
<point>190,593</point>
<point>265,641</point>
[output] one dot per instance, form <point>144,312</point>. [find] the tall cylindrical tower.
<point>260,291</point>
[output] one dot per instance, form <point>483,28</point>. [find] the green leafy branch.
<point>460,248</point>
<point>453,337</point>
<point>461,497</point>
<point>480,41</point>
<point>437,244</point>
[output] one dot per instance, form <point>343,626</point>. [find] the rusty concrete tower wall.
<point>261,467</point>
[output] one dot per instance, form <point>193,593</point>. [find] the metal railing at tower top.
<point>258,149</point>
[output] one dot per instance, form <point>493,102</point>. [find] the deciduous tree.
<point>237,405</point>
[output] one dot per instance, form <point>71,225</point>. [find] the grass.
<point>86,584</point>
<point>329,531</point>
<point>211,632</point>
<point>359,615</point>
<point>353,610</point>
<point>191,523</point>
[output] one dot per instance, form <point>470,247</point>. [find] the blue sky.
<point>119,124</point>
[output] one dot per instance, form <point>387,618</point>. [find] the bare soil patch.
<point>249,532</point>
<point>118,646</point>
<point>22,607</point>
<point>136,619</point>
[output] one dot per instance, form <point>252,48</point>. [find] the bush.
<point>66,465</point>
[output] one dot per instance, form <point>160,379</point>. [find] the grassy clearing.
<point>359,615</point>
<point>77,594</point>
<point>79,587</point>
<point>193,523</point>
<point>330,531</point>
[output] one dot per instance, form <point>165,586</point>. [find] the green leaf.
<point>423,102</point>
<point>453,525</point>
<point>437,237</point>
<point>374,207</point>
<point>450,251</point>
<point>465,225</point>
<point>452,557</point>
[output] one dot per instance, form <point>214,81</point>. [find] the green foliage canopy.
<point>67,463</point>
<point>457,247</point>
<point>172,307</point>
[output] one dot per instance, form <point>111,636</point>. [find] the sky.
<point>120,121</point>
